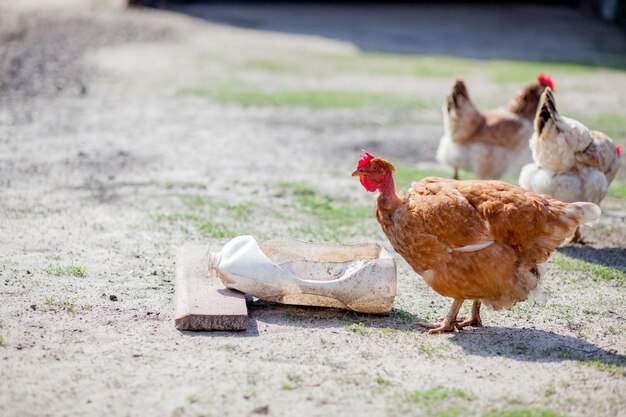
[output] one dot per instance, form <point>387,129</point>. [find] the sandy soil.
<point>106,167</point>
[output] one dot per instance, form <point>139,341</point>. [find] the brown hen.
<point>471,240</point>
<point>492,142</point>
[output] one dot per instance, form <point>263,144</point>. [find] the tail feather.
<point>546,111</point>
<point>459,91</point>
<point>462,118</point>
<point>591,212</point>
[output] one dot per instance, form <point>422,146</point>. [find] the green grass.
<point>358,328</point>
<point>273,66</point>
<point>435,395</point>
<point>613,369</point>
<point>524,412</point>
<point>599,273</point>
<point>381,381</point>
<point>248,94</point>
<point>251,95</point>
<point>71,270</point>
<point>67,305</point>
<point>1,341</point>
<point>436,402</point>
<point>611,124</point>
<point>333,217</point>
<point>524,72</point>
<point>432,66</point>
<point>404,316</point>
<point>287,387</point>
<point>617,189</point>
<point>209,217</point>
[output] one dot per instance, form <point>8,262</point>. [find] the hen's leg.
<point>456,173</point>
<point>474,318</point>
<point>449,322</point>
<point>578,238</point>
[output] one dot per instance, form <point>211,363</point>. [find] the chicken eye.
<point>375,169</point>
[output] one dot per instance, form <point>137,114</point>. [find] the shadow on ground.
<point>611,257</point>
<point>528,344</point>
<point>488,31</point>
<point>523,344</point>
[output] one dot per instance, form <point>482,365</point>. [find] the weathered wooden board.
<point>202,301</point>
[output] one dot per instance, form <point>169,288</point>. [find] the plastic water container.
<point>360,277</point>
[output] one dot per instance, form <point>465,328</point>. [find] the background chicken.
<point>571,162</point>
<point>478,240</point>
<point>488,143</point>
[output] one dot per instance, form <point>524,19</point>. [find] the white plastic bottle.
<point>359,277</point>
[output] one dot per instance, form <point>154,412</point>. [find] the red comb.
<point>619,150</point>
<point>365,158</point>
<point>545,80</point>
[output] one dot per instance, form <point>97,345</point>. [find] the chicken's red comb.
<point>545,80</point>
<point>619,150</point>
<point>365,158</point>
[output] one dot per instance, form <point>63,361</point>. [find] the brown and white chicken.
<point>471,240</point>
<point>571,162</point>
<point>488,143</point>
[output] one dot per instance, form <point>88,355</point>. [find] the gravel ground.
<point>108,164</point>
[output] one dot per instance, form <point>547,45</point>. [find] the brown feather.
<point>438,215</point>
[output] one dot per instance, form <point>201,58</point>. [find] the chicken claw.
<point>438,327</point>
<point>449,324</point>
<point>474,318</point>
<point>578,238</point>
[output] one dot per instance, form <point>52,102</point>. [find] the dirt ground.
<point>127,133</point>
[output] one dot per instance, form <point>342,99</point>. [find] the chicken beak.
<point>357,173</point>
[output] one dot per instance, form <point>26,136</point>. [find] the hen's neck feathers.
<point>388,200</point>
<point>525,102</point>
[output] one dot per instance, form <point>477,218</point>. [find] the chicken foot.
<point>449,323</point>
<point>474,318</point>
<point>578,238</point>
<point>456,173</point>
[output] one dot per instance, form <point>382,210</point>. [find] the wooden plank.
<point>202,301</point>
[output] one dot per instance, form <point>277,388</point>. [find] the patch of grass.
<point>435,395</point>
<point>287,387</point>
<point>503,71</point>
<point>58,270</point>
<point>216,230</point>
<point>611,124</point>
<point>1,341</point>
<point>549,391</point>
<point>382,381</point>
<point>334,216</point>
<point>405,316</point>
<point>525,72</point>
<point>524,412</point>
<point>202,208</point>
<point>426,66</point>
<point>599,273</point>
<point>613,369</point>
<point>437,401</point>
<point>450,412</point>
<point>251,95</point>
<point>67,305</point>
<point>617,189</point>
<point>276,67</point>
<point>358,328</point>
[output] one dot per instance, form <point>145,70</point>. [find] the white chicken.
<point>571,162</point>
